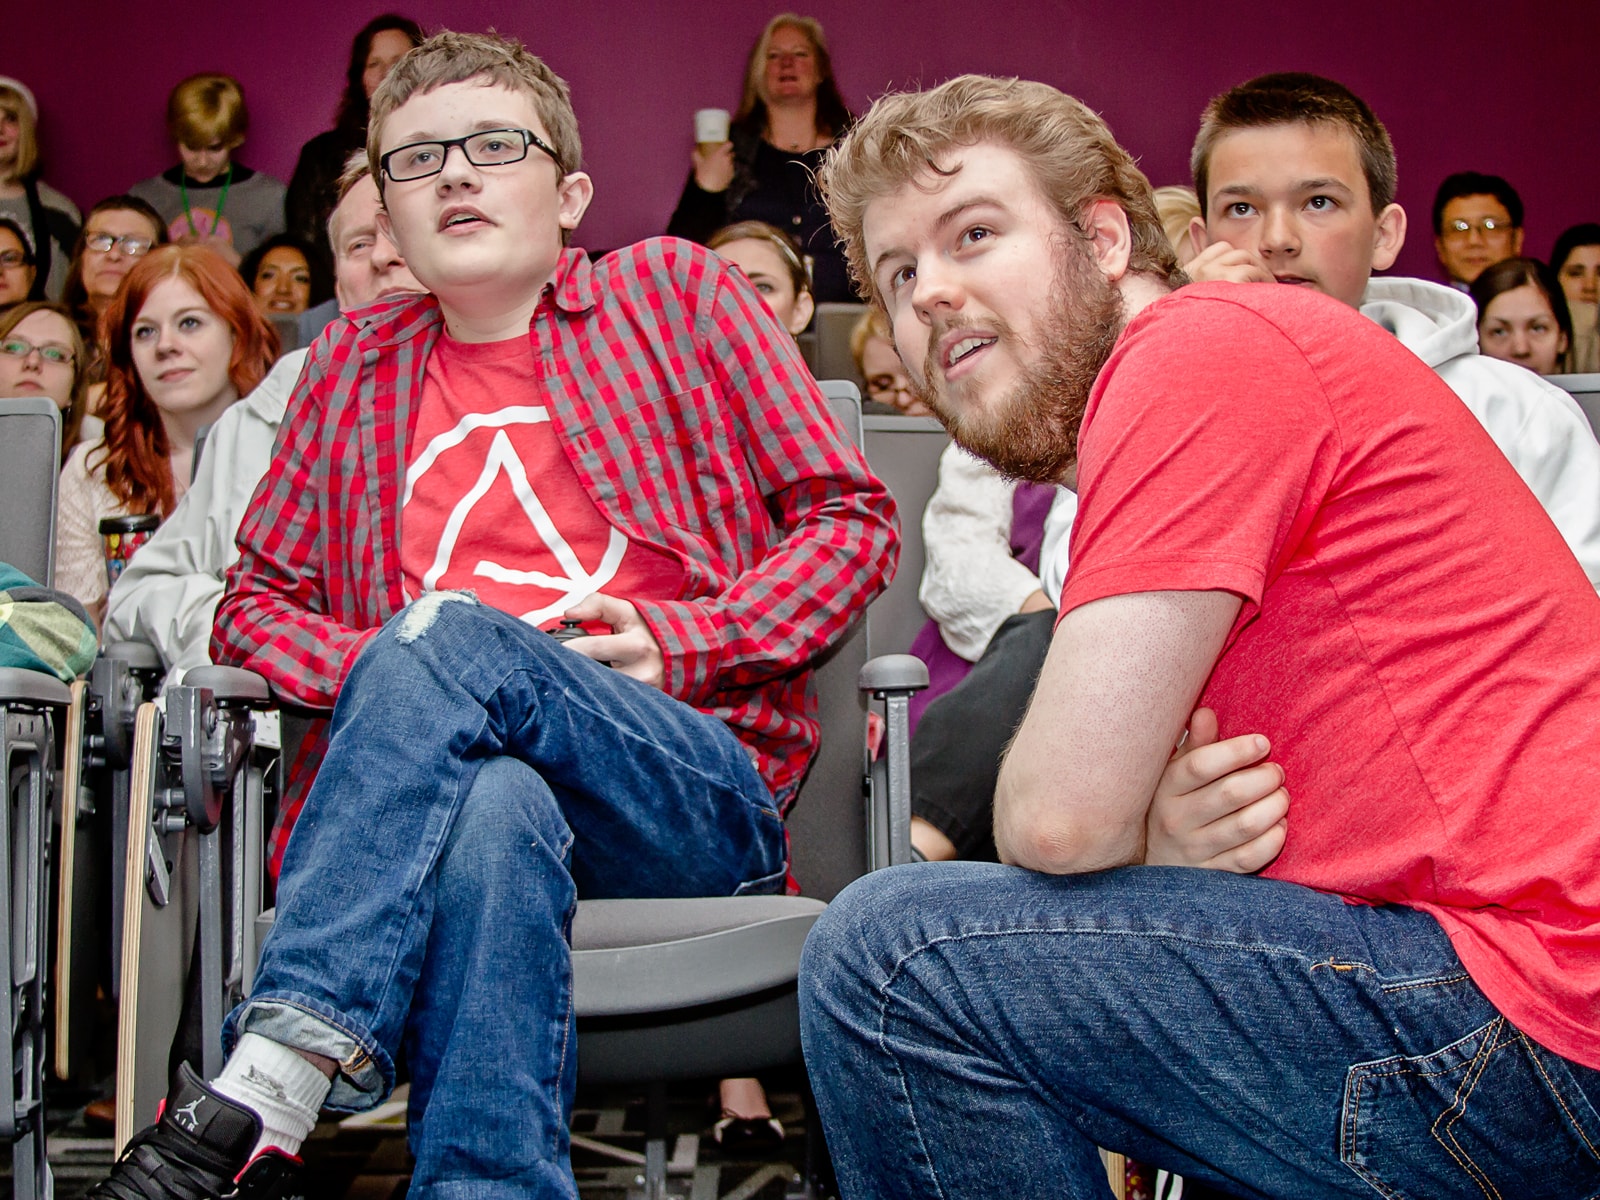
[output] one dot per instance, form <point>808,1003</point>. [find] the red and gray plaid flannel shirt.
<point>693,424</point>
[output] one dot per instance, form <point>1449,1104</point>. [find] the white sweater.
<point>168,593</point>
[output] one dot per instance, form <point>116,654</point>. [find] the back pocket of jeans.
<point>1492,1116</point>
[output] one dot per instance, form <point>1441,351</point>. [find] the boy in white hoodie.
<point>1296,178</point>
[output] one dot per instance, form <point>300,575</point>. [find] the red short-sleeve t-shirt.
<point>493,505</point>
<point>1416,639</point>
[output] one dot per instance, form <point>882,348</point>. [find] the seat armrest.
<point>893,673</point>
<point>230,685</point>
<point>892,678</point>
<point>140,656</point>
<point>32,687</point>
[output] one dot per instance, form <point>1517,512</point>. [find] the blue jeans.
<point>480,777</point>
<point>976,1030</point>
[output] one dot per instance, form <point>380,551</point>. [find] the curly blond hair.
<point>1067,146</point>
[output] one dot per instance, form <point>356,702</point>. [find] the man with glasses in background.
<point>1477,222</point>
<point>634,446</point>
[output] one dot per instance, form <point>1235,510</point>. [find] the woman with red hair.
<point>183,341</point>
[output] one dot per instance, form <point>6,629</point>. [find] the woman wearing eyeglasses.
<point>18,268</point>
<point>117,233</point>
<point>40,355</point>
<point>183,342</point>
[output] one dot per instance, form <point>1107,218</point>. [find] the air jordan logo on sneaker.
<point>188,1117</point>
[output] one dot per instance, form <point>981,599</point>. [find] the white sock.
<point>279,1086</point>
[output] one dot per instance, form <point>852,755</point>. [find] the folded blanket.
<point>42,629</point>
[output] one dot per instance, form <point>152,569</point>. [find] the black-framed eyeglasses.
<point>888,385</point>
<point>487,148</point>
<point>13,258</point>
<point>133,247</point>
<point>50,352</point>
<point>1489,225</point>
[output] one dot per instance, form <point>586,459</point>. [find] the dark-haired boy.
<point>633,443</point>
<point>1477,222</point>
<point>1296,179</point>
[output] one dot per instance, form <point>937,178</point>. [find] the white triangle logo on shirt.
<point>577,582</point>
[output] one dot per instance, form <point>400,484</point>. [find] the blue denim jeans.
<point>977,1030</point>
<point>480,777</point>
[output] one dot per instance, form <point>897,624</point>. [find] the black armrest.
<point>893,673</point>
<point>140,656</point>
<point>230,685</point>
<point>32,687</point>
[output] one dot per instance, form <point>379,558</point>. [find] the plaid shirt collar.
<point>572,288</point>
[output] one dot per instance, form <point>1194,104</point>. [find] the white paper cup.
<point>711,126</point>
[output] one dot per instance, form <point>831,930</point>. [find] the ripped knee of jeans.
<point>419,618</point>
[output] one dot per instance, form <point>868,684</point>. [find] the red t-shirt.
<point>1416,639</point>
<point>492,504</point>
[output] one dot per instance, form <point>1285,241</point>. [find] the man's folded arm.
<point>1122,676</point>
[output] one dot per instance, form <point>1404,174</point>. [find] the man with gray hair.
<point>1290,527</point>
<point>168,594</point>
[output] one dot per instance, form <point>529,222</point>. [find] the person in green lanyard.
<point>208,197</point>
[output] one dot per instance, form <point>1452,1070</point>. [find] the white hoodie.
<point>1539,427</point>
<point>168,594</point>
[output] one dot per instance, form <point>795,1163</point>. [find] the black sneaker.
<point>200,1149</point>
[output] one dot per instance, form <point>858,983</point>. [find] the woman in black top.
<point>791,112</point>
<point>382,42</point>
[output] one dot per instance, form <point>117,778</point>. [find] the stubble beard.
<point>1031,432</point>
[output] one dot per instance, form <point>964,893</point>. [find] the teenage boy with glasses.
<point>635,444</point>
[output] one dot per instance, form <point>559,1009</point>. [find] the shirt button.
<point>794,220</point>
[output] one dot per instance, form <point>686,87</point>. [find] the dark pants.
<point>955,753</point>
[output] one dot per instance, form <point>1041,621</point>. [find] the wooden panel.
<point>157,943</point>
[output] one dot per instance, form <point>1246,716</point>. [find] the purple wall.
<point>1465,85</point>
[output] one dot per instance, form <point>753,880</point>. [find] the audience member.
<point>888,385</point>
<point>1477,221</point>
<point>1177,207</point>
<point>771,262</point>
<point>1576,262</point>
<point>41,354</point>
<point>313,187</point>
<point>183,342</point>
<point>18,268</point>
<point>1287,518</point>
<point>48,219</point>
<point>958,744</point>
<point>118,232</point>
<point>1522,315</point>
<point>790,113</point>
<point>1296,177</point>
<point>461,808</point>
<point>286,276</point>
<point>167,595</point>
<point>208,198</point>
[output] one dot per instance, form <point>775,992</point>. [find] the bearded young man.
<point>1285,517</point>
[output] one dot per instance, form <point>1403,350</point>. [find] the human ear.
<point>1110,236</point>
<point>575,191</point>
<point>1199,235</point>
<point>386,225</point>
<point>804,306</point>
<point>1389,235</point>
